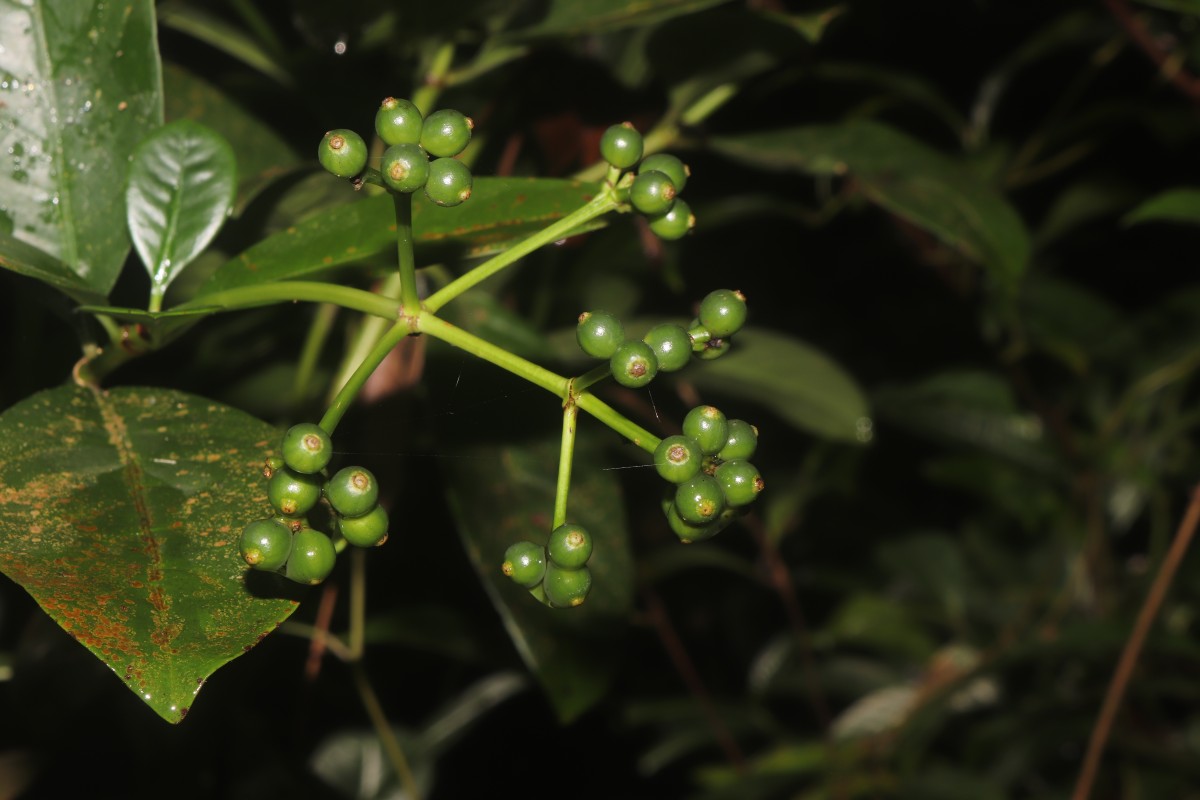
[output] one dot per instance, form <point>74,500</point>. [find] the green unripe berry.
<point>740,481</point>
<point>312,557</point>
<point>265,544</point>
<point>446,133</point>
<point>566,588</point>
<point>708,426</point>
<point>723,312</point>
<point>449,182</point>
<point>342,152</point>
<point>742,441</point>
<point>366,530</point>
<point>398,122</point>
<point>599,333</point>
<point>570,546</point>
<point>668,165</point>
<point>678,458</point>
<point>686,531</point>
<point>674,224</point>
<point>652,193</point>
<point>621,145</point>
<point>633,364</point>
<point>292,493</point>
<point>525,563</point>
<point>352,491</point>
<point>272,465</point>
<point>671,345</point>
<point>699,500</point>
<point>306,448</point>
<point>404,167</point>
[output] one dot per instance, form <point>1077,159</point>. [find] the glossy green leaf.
<point>262,154</point>
<point>40,265</point>
<point>499,211</point>
<point>1176,205</point>
<point>792,378</point>
<point>501,494</point>
<point>120,514</point>
<point>79,87</point>
<point>907,178</point>
<point>181,188</point>
<point>216,32</point>
<point>576,17</point>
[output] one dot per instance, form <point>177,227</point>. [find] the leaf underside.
<point>120,514</point>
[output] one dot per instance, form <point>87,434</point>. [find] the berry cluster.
<point>557,574</point>
<point>295,484</point>
<point>666,347</point>
<point>655,188</point>
<point>413,140</point>
<point>709,466</point>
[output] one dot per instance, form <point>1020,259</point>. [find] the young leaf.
<point>120,514</point>
<point>90,86</point>
<point>1176,205</point>
<point>181,188</point>
<point>29,260</point>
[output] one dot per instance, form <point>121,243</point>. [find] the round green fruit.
<point>742,441</point>
<point>633,364</point>
<point>352,491</point>
<point>708,426</point>
<point>312,557</point>
<point>668,165</point>
<point>566,588</point>
<point>366,530</point>
<point>398,122</point>
<point>570,546</point>
<point>714,348</point>
<point>621,145</point>
<point>525,563</point>
<point>678,458</point>
<point>671,345</point>
<point>652,193</point>
<point>404,167</point>
<point>342,152</point>
<point>686,531</point>
<point>445,133</point>
<point>449,182</point>
<point>306,448</point>
<point>723,312</point>
<point>266,544</point>
<point>740,482</point>
<point>675,223</point>
<point>292,493</point>
<point>699,500</point>
<point>599,333</point>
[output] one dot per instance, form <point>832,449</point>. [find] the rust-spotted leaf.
<point>120,513</point>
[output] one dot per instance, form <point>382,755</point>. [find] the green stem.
<point>592,376</point>
<point>292,291</point>
<point>438,328</point>
<point>345,396</point>
<point>615,420</point>
<point>156,299</point>
<point>566,454</point>
<point>600,205</point>
<point>387,737</point>
<point>425,95</point>
<point>409,299</point>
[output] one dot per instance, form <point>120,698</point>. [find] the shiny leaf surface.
<point>120,514</point>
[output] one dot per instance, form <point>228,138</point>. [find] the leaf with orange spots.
<point>120,513</point>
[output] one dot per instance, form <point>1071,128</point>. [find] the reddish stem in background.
<point>687,670</point>
<point>1183,80</point>
<point>316,647</point>
<point>1133,647</point>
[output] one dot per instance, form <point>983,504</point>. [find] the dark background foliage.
<point>949,200</point>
